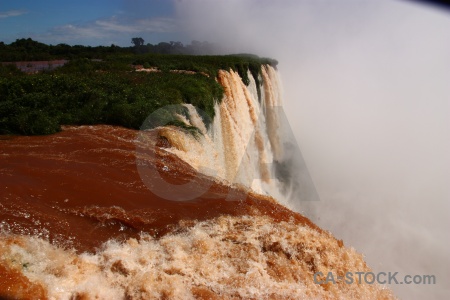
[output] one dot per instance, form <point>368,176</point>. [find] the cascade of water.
<point>243,140</point>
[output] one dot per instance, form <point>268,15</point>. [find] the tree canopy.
<point>137,41</point>
<point>28,50</point>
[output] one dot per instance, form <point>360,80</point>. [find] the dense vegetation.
<point>28,49</point>
<point>110,91</point>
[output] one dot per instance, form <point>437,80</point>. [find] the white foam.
<point>238,147</point>
<point>244,257</point>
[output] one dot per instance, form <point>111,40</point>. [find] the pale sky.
<point>88,22</point>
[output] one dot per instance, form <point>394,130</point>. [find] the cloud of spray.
<point>367,96</point>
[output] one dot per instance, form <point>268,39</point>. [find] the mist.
<point>367,95</point>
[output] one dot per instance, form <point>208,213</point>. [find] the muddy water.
<point>80,188</point>
<point>77,222</point>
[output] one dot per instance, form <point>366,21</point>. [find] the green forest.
<point>100,85</point>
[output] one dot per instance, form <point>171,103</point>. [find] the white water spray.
<point>244,140</point>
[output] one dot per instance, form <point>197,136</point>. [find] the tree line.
<point>29,50</point>
<point>172,47</point>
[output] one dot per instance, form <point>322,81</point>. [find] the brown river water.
<point>80,188</point>
<point>78,222</point>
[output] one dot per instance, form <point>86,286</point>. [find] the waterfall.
<point>243,140</point>
<point>85,188</point>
